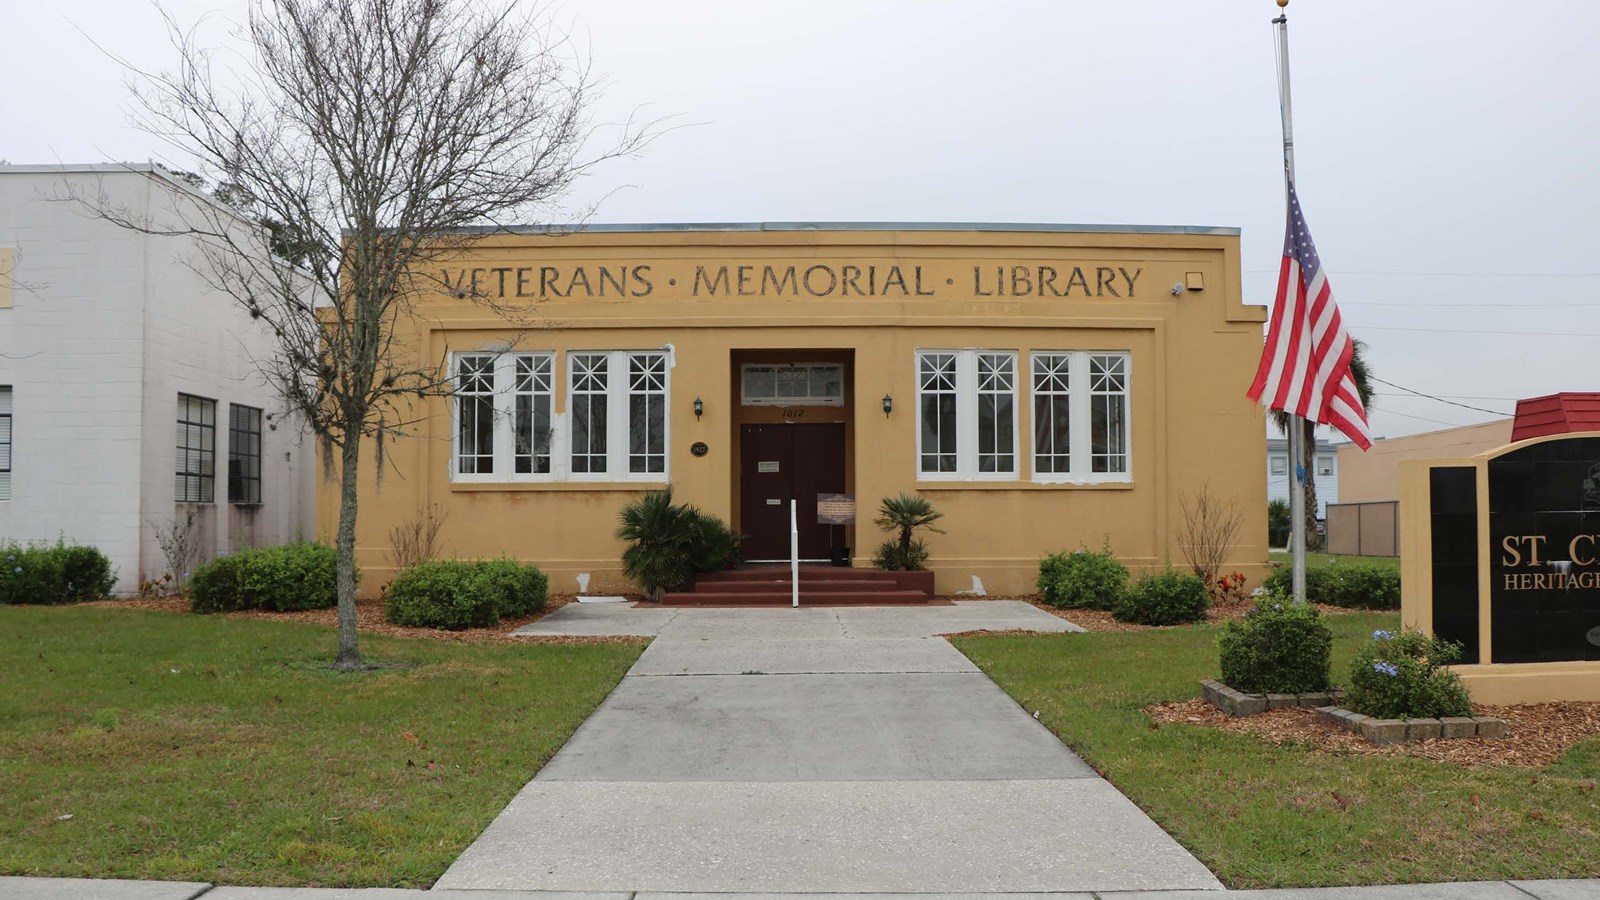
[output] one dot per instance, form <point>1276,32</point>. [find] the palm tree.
<point>1361,373</point>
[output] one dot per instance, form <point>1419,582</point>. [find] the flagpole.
<point>1297,471</point>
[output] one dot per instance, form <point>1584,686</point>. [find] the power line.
<point>1450,396</point>
<point>1390,412</point>
<point>1580,304</point>
<point>1481,331</point>
<point>1340,272</point>
<point>1433,397</point>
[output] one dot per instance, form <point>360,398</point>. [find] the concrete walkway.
<point>811,754</point>
<point>819,750</point>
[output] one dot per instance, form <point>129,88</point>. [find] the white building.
<point>129,394</point>
<point>1326,473</point>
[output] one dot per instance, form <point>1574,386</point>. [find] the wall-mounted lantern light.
<point>888,405</point>
<point>699,408</point>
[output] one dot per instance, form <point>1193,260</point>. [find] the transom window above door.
<point>792,384</point>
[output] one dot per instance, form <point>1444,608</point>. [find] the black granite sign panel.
<point>1453,515</point>
<point>1544,551</point>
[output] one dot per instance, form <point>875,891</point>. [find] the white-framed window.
<point>505,426</point>
<point>1081,430</point>
<point>966,414</point>
<point>792,384</point>
<point>196,450</point>
<point>1324,465</point>
<point>5,442</point>
<point>1278,465</point>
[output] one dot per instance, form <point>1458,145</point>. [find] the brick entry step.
<point>820,585</point>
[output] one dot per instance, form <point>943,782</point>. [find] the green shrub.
<point>286,578</point>
<point>893,557</point>
<point>443,593</point>
<point>1363,585</point>
<point>1164,598</point>
<point>1082,579</point>
<point>518,589</point>
<point>50,574</point>
<point>1319,583</point>
<point>456,594</point>
<point>1278,523</point>
<point>1398,676</point>
<point>669,543</point>
<point>1278,648</point>
<point>1353,585</point>
<point>214,586</point>
<point>906,514</point>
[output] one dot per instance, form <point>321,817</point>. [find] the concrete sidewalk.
<point>82,889</point>
<point>818,750</point>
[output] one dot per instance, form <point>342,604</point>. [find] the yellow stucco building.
<point>1045,386</point>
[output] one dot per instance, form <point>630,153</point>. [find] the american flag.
<point>1305,364</point>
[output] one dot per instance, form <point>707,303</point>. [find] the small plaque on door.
<point>774,502</point>
<point>836,509</point>
<point>767,465</point>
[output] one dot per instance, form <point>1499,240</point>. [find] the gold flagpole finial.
<point>1283,4</point>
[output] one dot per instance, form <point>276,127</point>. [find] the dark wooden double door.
<point>779,462</point>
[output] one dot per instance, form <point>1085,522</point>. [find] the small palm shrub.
<point>1082,579</point>
<point>1164,598</point>
<point>1278,648</point>
<point>1278,523</point>
<point>51,574</point>
<point>1398,676</point>
<point>670,543</point>
<point>286,578</point>
<point>905,514</point>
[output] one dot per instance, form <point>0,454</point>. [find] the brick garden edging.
<point>1404,731</point>
<point>1235,703</point>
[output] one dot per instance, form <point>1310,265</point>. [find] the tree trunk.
<point>1308,453</point>
<point>349,657</point>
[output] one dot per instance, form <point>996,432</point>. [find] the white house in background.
<point>1326,473</point>
<point>129,395</point>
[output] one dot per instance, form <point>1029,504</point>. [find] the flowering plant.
<point>1397,676</point>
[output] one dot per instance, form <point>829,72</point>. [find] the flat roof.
<point>1055,227</point>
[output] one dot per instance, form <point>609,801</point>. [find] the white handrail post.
<point>794,551</point>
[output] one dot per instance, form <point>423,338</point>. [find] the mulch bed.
<point>1538,733</point>
<point>1099,620</point>
<point>369,620</point>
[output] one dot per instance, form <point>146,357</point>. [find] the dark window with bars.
<point>5,442</point>
<point>244,455</point>
<point>1052,413</point>
<point>197,449</point>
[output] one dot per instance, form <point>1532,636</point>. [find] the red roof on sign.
<point>1560,413</point>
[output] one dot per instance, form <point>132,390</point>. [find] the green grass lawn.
<point>223,749</point>
<point>1260,815</point>
<point>1322,559</point>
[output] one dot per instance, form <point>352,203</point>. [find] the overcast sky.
<point>1448,154</point>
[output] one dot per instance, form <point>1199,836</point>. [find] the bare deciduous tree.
<point>179,541</point>
<point>1208,531</point>
<point>364,138</point>
<point>417,540</point>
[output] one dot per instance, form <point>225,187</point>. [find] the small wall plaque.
<point>767,465</point>
<point>699,448</point>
